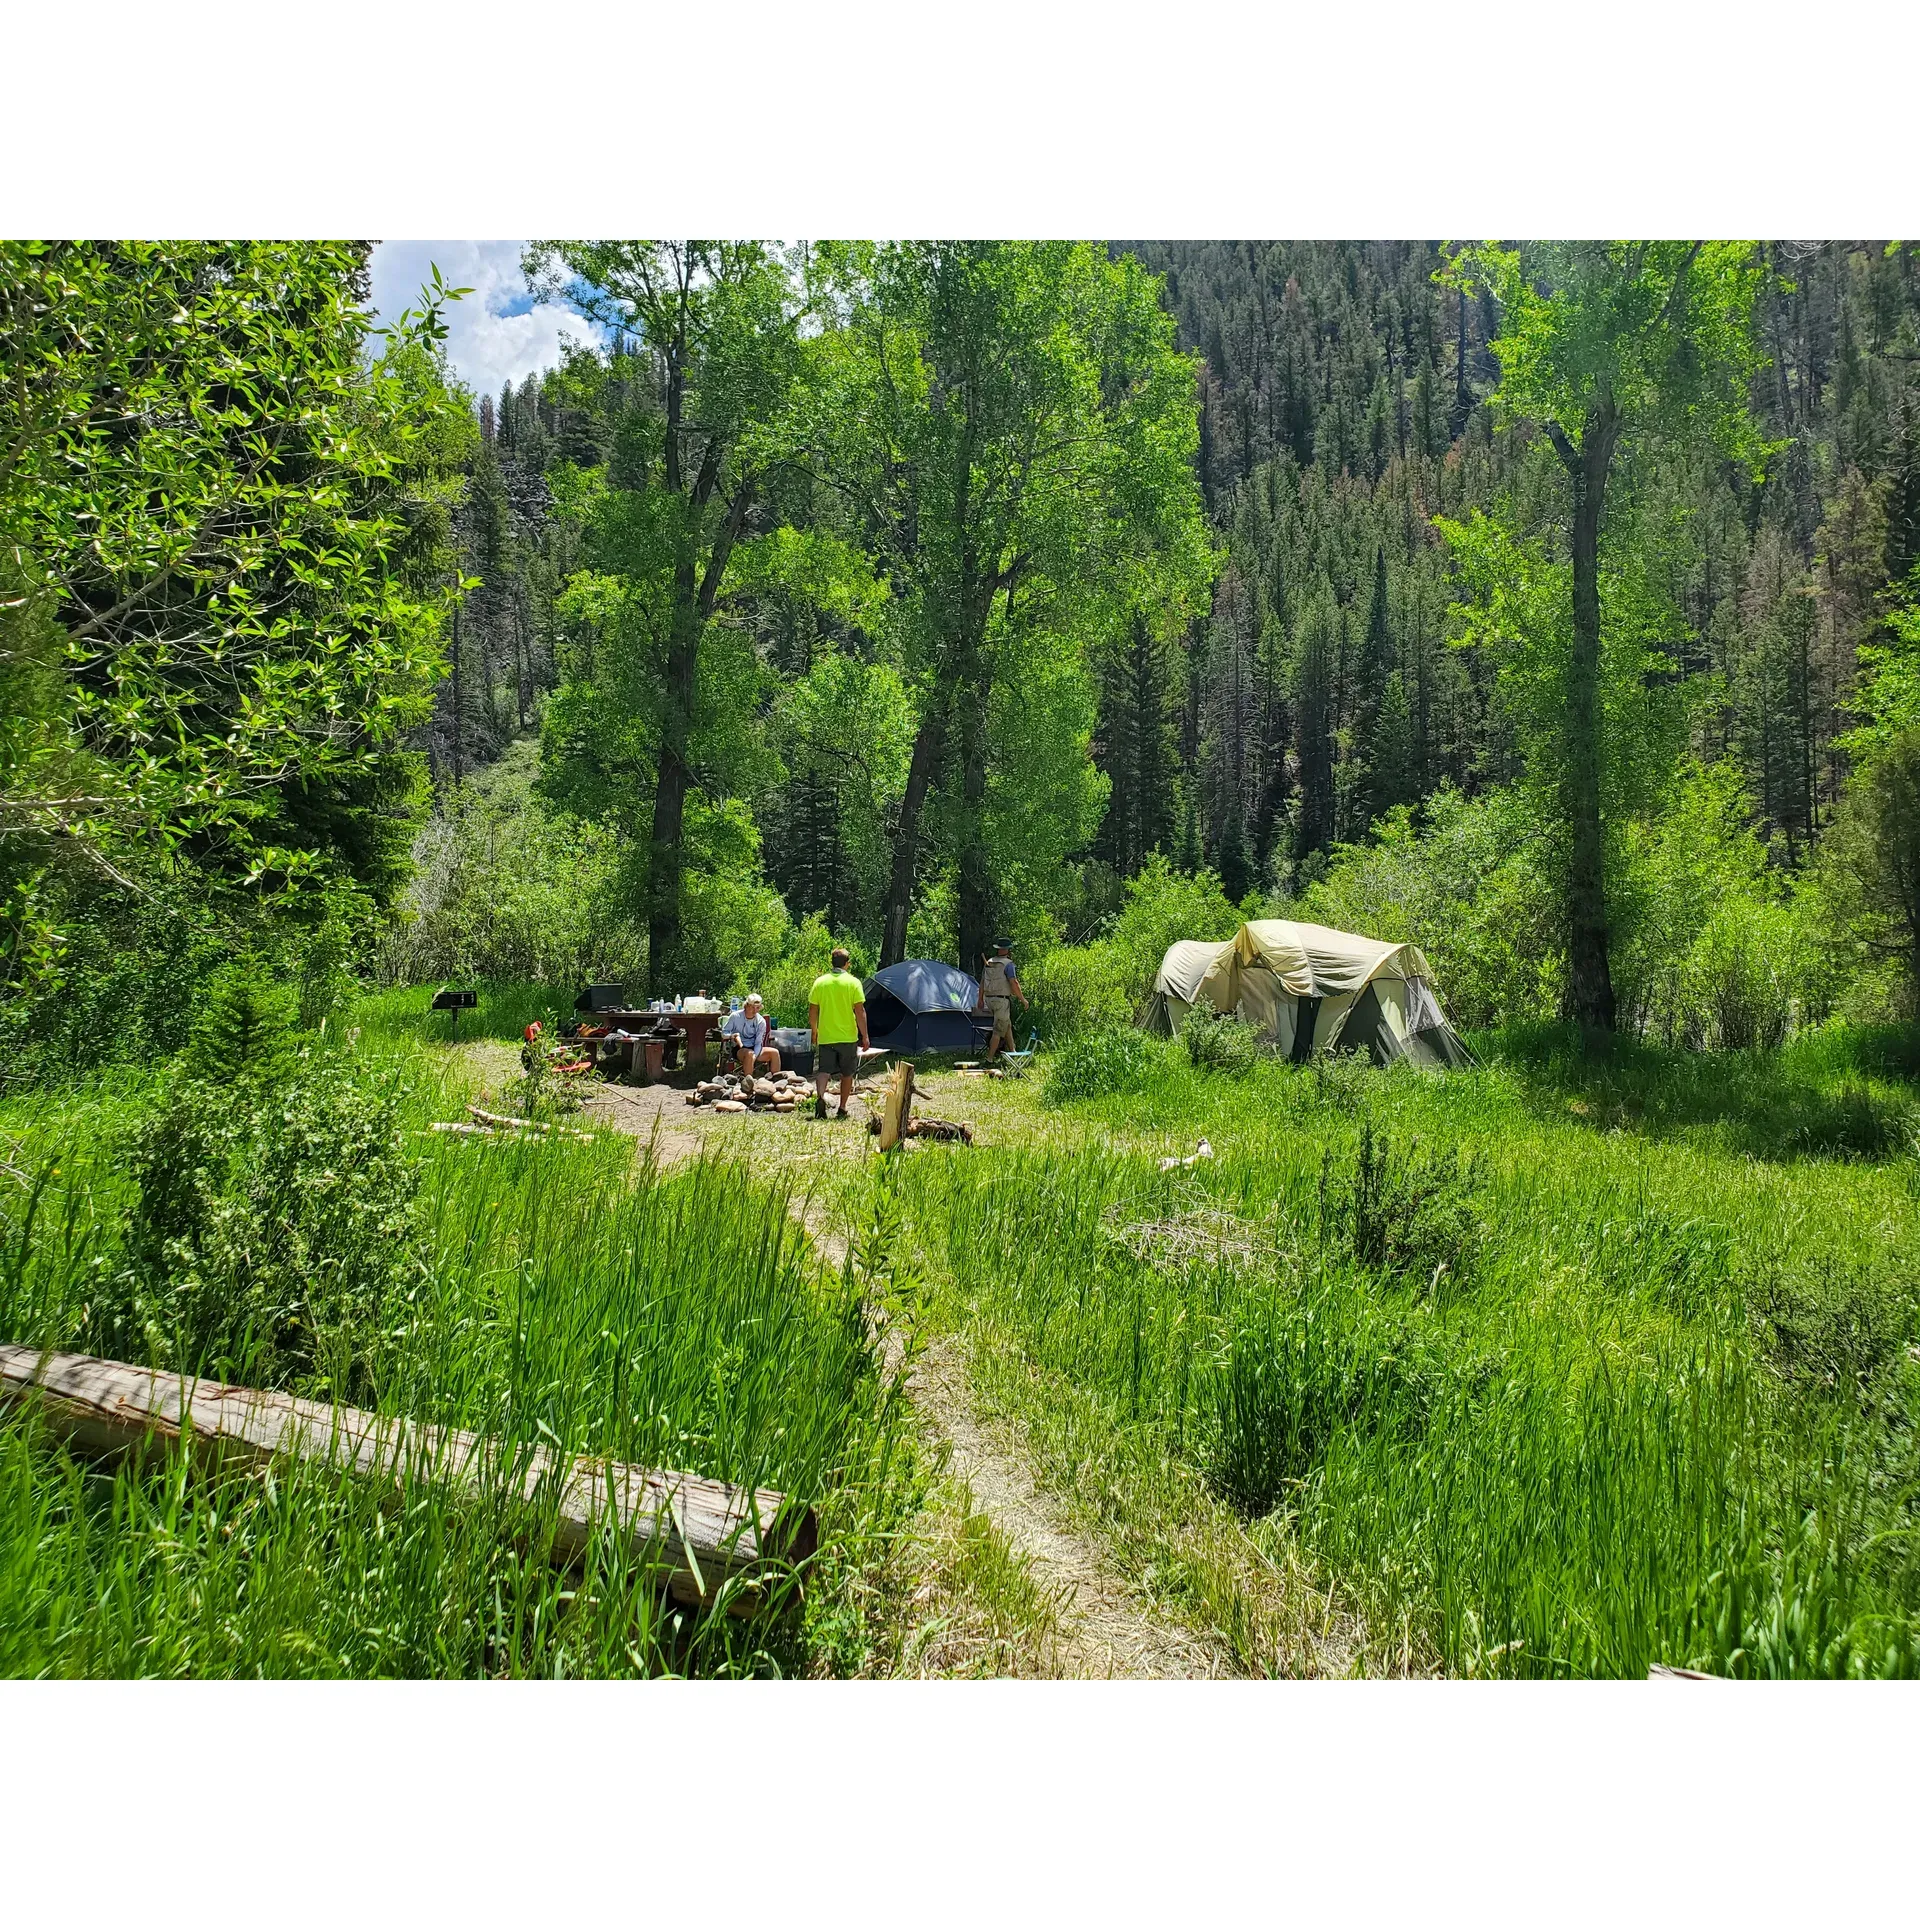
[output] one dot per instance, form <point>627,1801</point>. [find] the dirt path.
<point>1104,1632</point>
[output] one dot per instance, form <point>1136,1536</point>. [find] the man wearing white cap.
<point>751,1037</point>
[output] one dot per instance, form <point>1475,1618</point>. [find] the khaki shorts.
<point>1002,1011</point>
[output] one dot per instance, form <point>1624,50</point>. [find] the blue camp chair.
<point>1016,1063</point>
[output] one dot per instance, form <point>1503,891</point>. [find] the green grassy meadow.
<point>1561,1367</point>
<point>1555,1368</point>
<point>560,1292</point>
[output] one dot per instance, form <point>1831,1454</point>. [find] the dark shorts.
<point>841,1057</point>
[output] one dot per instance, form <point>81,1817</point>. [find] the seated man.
<point>750,1039</point>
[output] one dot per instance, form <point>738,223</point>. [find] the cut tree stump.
<point>693,1535</point>
<point>897,1107</point>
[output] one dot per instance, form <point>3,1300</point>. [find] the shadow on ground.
<point>1848,1094</point>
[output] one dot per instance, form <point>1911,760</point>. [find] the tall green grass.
<point>505,1009</point>
<point>565,1296</point>
<point>1545,1416</point>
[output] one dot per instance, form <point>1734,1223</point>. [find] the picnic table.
<point>624,1047</point>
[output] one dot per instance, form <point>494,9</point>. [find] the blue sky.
<point>496,333</point>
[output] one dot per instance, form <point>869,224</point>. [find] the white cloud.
<point>494,334</point>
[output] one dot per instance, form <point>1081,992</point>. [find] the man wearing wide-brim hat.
<point>999,987</point>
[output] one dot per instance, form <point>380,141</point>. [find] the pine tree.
<point>1189,858</point>
<point>1903,502</point>
<point>1391,753</point>
<point>1134,746</point>
<point>1379,430</point>
<point>1421,412</point>
<point>1376,676</point>
<point>246,1035</point>
<point>1230,859</point>
<point>1314,720</point>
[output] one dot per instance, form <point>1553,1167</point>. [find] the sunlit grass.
<point>1660,1407</point>
<point>568,1296</point>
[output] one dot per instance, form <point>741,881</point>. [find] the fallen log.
<point>926,1128</point>
<point>510,1123</point>
<point>691,1534</point>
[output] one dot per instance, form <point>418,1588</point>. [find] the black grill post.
<point>450,1001</point>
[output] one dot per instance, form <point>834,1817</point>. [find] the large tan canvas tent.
<point>1311,990</point>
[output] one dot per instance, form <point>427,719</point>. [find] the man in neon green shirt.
<point>837,1016</point>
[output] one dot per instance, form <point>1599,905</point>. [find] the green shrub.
<point>273,1230</point>
<point>324,980</point>
<point>1471,885</point>
<point>1837,1326</point>
<point>1164,905</point>
<point>1077,989</point>
<point>1412,1212</point>
<point>1341,1082</point>
<point>1108,1060</point>
<point>246,1032</point>
<point>505,886</point>
<point>130,972</point>
<point>804,956</point>
<point>1295,1371</point>
<point>1217,1041</point>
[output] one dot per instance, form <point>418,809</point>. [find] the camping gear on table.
<point>925,1006</point>
<point>1311,990</point>
<point>624,1033</point>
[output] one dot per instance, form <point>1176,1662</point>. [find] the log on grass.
<point>692,1534</point>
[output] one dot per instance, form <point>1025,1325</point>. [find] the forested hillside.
<point>1358,650</point>
<point>913,593</point>
<point>1346,402</point>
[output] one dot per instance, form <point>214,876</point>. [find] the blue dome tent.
<point>924,1006</point>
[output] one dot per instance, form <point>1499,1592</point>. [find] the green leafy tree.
<point>223,542</point>
<point>716,323</point>
<point>1014,428</point>
<point>1868,881</point>
<point>1602,343</point>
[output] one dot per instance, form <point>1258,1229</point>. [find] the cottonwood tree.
<point>716,323</point>
<point>1600,344</point>
<point>1014,429</point>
